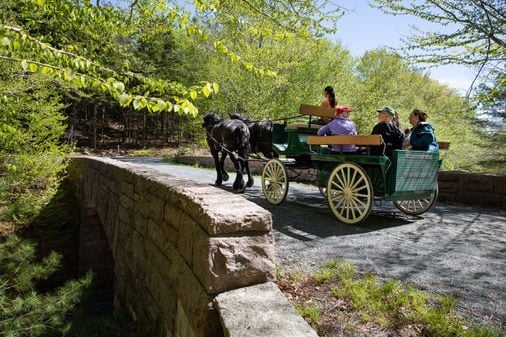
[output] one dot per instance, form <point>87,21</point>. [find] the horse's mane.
<point>240,117</point>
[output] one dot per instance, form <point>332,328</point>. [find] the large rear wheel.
<point>349,193</point>
<point>274,182</point>
<point>417,206</point>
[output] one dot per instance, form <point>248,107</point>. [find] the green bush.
<point>32,155</point>
<point>23,310</point>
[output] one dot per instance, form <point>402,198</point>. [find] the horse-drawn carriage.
<point>350,182</point>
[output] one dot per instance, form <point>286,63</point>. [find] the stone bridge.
<point>185,259</point>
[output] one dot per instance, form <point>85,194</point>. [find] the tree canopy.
<point>473,33</point>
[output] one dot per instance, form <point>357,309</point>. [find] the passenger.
<point>329,98</point>
<point>329,102</point>
<point>421,136</point>
<point>341,125</point>
<point>389,131</point>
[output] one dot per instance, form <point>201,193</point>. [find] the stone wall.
<point>472,188</point>
<point>175,244</point>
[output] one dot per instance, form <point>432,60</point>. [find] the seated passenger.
<point>421,136</point>
<point>328,102</point>
<point>341,125</point>
<point>389,131</point>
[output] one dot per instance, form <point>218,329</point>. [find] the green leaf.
<point>6,42</point>
<point>32,67</point>
<point>24,65</point>
<point>216,87</point>
<point>137,103</point>
<point>193,94</point>
<point>125,99</point>
<point>119,86</point>
<point>206,90</point>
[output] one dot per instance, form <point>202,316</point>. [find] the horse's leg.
<point>219,178</point>
<point>245,165</point>
<point>222,165</point>
<point>239,181</point>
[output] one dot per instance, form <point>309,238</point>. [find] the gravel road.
<point>458,250</point>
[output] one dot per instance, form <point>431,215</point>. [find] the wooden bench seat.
<point>443,145</point>
<point>316,110</point>
<point>345,140</point>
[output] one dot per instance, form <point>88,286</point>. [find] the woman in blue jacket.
<point>421,137</point>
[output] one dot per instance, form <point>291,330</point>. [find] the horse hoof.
<point>217,183</point>
<point>225,177</point>
<point>250,183</point>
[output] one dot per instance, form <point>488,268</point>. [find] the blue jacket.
<point>423,138</point>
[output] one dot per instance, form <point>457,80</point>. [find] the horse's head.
<point>211,119</point>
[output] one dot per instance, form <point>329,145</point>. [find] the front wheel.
<point>274,182</point>
<point>349,193</point>
<point>417,206</point>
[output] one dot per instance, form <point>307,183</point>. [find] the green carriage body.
<point>409,178</point>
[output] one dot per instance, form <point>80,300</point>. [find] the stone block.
<point>141,223</point>
<point>222,264</point>
<point>126,202</point>
<point>479,198</point>
<point>196,303</point>
<point>220,212</point>
<point>189,233</point>
<point>260,310</point>
<point>138,254</point>
<point>172,215</point>
<point>155,207</point>
<point>500,184</point>
<point>127,189</point>
<point>448,187</point>
<point>478,182</point>
<point>161,261</point>
<point>183,326</point>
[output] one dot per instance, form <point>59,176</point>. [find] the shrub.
<point>23,310</point>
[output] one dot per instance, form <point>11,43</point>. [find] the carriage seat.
<point>371,140</point>
<point>360,141</point>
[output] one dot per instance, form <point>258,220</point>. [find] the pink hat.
<point>342,108</point>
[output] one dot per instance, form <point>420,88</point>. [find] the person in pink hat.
<point>341,125</point>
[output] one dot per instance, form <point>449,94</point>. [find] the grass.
<point>336,300</point>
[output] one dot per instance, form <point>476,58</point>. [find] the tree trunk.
<point>94,122</point>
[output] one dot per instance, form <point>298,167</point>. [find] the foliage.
<point>31,154</point>
<point>474,31</point>
<point>92,24</point>
<point>310,312</point>
<point>24,311</point>
<point>387,304</point>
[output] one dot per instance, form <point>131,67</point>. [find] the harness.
<point>223,148</point>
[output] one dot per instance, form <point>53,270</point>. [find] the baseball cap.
<point>342,108</point>
<point>387,110</point>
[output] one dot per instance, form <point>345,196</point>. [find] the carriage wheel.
<point>349,193</point>
<point>274,182</point>
<point>417,206</point>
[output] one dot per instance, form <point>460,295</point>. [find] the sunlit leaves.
<point>92,76</point>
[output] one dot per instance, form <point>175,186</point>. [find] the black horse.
<point>228,137</point>
<point>260,135</point>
